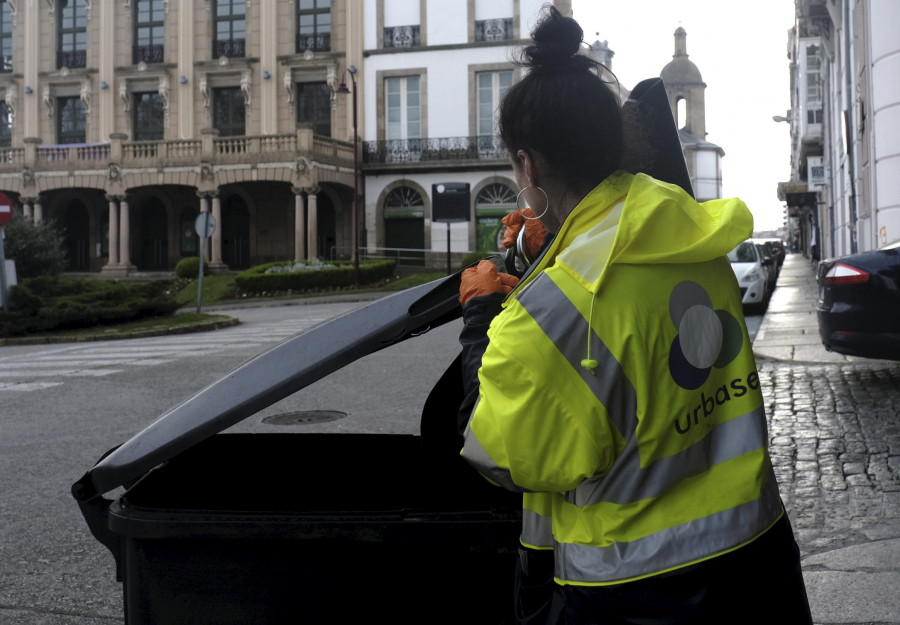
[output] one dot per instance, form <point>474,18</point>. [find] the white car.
<point>746,262</point>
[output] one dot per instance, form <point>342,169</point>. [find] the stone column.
<point>299,224</point>
<point>27,208</point>
<point>312,224</point>
<point>113,232</point>
<point>38,211</point>
<point>124,235</point>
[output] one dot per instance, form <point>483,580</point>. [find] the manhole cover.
<point>305,417</point>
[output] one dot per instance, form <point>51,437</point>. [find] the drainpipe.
<point>848,124</point>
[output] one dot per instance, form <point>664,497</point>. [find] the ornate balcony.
<point>494,30</point>
<point>232,48</point>
<point>148,54</point>
<point>401,36</point>
<point>316,42</point>
<point>71,58</point>
<point>439,149</point>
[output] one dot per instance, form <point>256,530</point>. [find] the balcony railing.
<point>148,54</point>
<point>232,48</point>
<point>401,36</point>
<point>71,58</point>
<point>73,152</point>
<point>316,42</point>
<point>435,149</point>
<point>6,65</point>
<point>494,30</point>
<point>178,152</point>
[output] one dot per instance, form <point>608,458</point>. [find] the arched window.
<point>492,203</point>
<point>405,200</point>
<point>681,112</point>
<point>404,226</point>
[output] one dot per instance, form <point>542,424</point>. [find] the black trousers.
<point>758,583</point>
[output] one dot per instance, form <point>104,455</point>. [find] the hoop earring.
<point>546,205</point>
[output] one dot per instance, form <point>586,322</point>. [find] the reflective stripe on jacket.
<point>619,390</point>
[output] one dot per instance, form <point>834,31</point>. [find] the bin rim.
<point>273,375</point>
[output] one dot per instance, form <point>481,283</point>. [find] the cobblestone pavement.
<point>835,444</point>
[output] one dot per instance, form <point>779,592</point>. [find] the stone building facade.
<point>121,120</point>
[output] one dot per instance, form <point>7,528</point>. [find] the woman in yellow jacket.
<point>616,386</point>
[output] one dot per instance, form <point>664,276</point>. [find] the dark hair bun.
<point>557,41</point>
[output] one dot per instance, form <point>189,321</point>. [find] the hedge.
<point>190,268</point>
<point>47,303</point>
<point>336,274</point>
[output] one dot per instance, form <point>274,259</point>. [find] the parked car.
<point>770,266</point>
<point>859,303</point>
<point>747,264</point>
<point>775,248</point>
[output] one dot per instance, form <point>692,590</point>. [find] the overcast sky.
<point>740,49</point>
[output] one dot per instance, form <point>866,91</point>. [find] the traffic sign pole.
<point>204,226</point>
<point>5,217</point>
<point>4,295</point>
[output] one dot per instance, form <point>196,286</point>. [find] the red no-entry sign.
<point>5,209</point>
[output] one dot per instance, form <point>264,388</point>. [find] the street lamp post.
<point>342,88</point>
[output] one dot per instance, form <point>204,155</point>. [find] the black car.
<point>859,303</point>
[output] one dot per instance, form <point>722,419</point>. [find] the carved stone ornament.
<point>301,165</point>
<point>289,85</point>
<point>245,87</point>
<point>204,91</point>
<point>48,101</point>
<point>164,92</point>
<point>123,95</point>
<point>114,172</point>
<point>85,95</point>
<point>206,170</point>
<point>27,177</point>
<point>11,101</point>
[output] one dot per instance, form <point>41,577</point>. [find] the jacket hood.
<point>658,223</point>
<point>661,223</point>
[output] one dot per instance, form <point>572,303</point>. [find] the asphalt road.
<point>63,406</point>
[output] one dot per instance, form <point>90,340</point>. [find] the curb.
<point>203,326</point>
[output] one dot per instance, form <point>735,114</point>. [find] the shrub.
<point>314,276</point>
<point>190,268</point>
<point>44,303</point>
<point>37,248</point>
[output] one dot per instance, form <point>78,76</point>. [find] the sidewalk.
<point>825,468</point>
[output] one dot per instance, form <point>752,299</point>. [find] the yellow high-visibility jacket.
<point>619,392</point>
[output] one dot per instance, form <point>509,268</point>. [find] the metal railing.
<point>494,30</point>
<point>71,58</point>
<point>232,48</point>
<point>316,42</point>
<point>401,36</point>
<point>434,149</point>
<point>148,54</point>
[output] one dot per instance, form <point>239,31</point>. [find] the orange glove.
<point>483,279</point>
<point>534,231</point>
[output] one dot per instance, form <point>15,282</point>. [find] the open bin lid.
<point>272,376</point>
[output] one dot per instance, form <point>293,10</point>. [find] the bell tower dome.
<point>685,87</point>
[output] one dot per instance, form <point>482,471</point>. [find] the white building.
<point>434,73</point>
<point>844,194</point>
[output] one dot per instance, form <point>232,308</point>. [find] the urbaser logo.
<point>706,337</point>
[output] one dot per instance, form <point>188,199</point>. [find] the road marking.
<point>27,386</point>
<point>103,358</point>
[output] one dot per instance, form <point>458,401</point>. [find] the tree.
<point>37,248</point>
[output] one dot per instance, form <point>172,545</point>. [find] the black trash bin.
<point>222,529</point>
